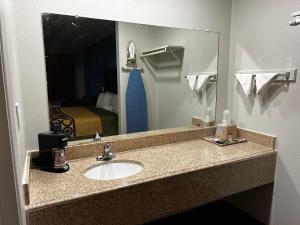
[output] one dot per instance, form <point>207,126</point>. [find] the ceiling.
<point>71,34</point>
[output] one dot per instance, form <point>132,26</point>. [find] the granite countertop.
<point>158,162</point>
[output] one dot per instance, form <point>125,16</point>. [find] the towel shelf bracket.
<point>212,77</point>
<point>284,75</point>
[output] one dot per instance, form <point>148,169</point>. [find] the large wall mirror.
<point>116,77</point>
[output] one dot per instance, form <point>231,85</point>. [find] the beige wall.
<point>261,38</point>
<point>196,14</point>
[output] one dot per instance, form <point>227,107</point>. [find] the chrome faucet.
<point>107,154</point>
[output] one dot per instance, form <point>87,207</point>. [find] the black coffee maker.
<point>52,150</point>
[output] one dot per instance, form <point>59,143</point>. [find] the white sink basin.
<point>113,170</point>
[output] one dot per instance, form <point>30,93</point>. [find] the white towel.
<point>263,81</point>
<point>201,82</point>
<point>246,81</point>
<point>192,81</point>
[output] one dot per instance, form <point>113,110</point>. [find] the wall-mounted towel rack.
<point>164,56</point>
<point>283,75</point>
<point>163,49</point>
<point>212,76</point>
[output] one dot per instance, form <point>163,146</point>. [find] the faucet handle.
<point>106,146</point>
<point>107,154</point>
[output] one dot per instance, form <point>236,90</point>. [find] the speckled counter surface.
<point>158,162</point>
<point>184,166</point>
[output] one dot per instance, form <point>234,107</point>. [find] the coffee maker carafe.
<point>52,150</point>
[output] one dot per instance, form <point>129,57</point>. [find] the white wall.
<point>262,39</point>
<point>170,101</point>
<point>176,103</point>
<point>8,192</point>
<point>12,152</point>
<point>195,14</point>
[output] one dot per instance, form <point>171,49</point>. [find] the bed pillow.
<point>108,101</point>
<point>100,100</point>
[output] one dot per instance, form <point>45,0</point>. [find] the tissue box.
<point>197,121</point>
<point>224,131</point>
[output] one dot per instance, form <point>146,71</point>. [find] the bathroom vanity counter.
<point>186,174</point>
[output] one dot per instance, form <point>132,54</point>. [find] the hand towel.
<point>246,81</point>
<point>192,81</point>
<point>201,82</point>
<point>262,81</point>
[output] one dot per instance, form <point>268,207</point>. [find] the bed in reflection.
<point>81,122</point>
<point>81,119</point>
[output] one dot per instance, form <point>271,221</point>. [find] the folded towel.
<point>262,81</point>
<point>192,81</point>
<point>246,81</point>
<point>201,82</point>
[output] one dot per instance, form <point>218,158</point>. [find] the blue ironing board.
<point>136,103</point>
